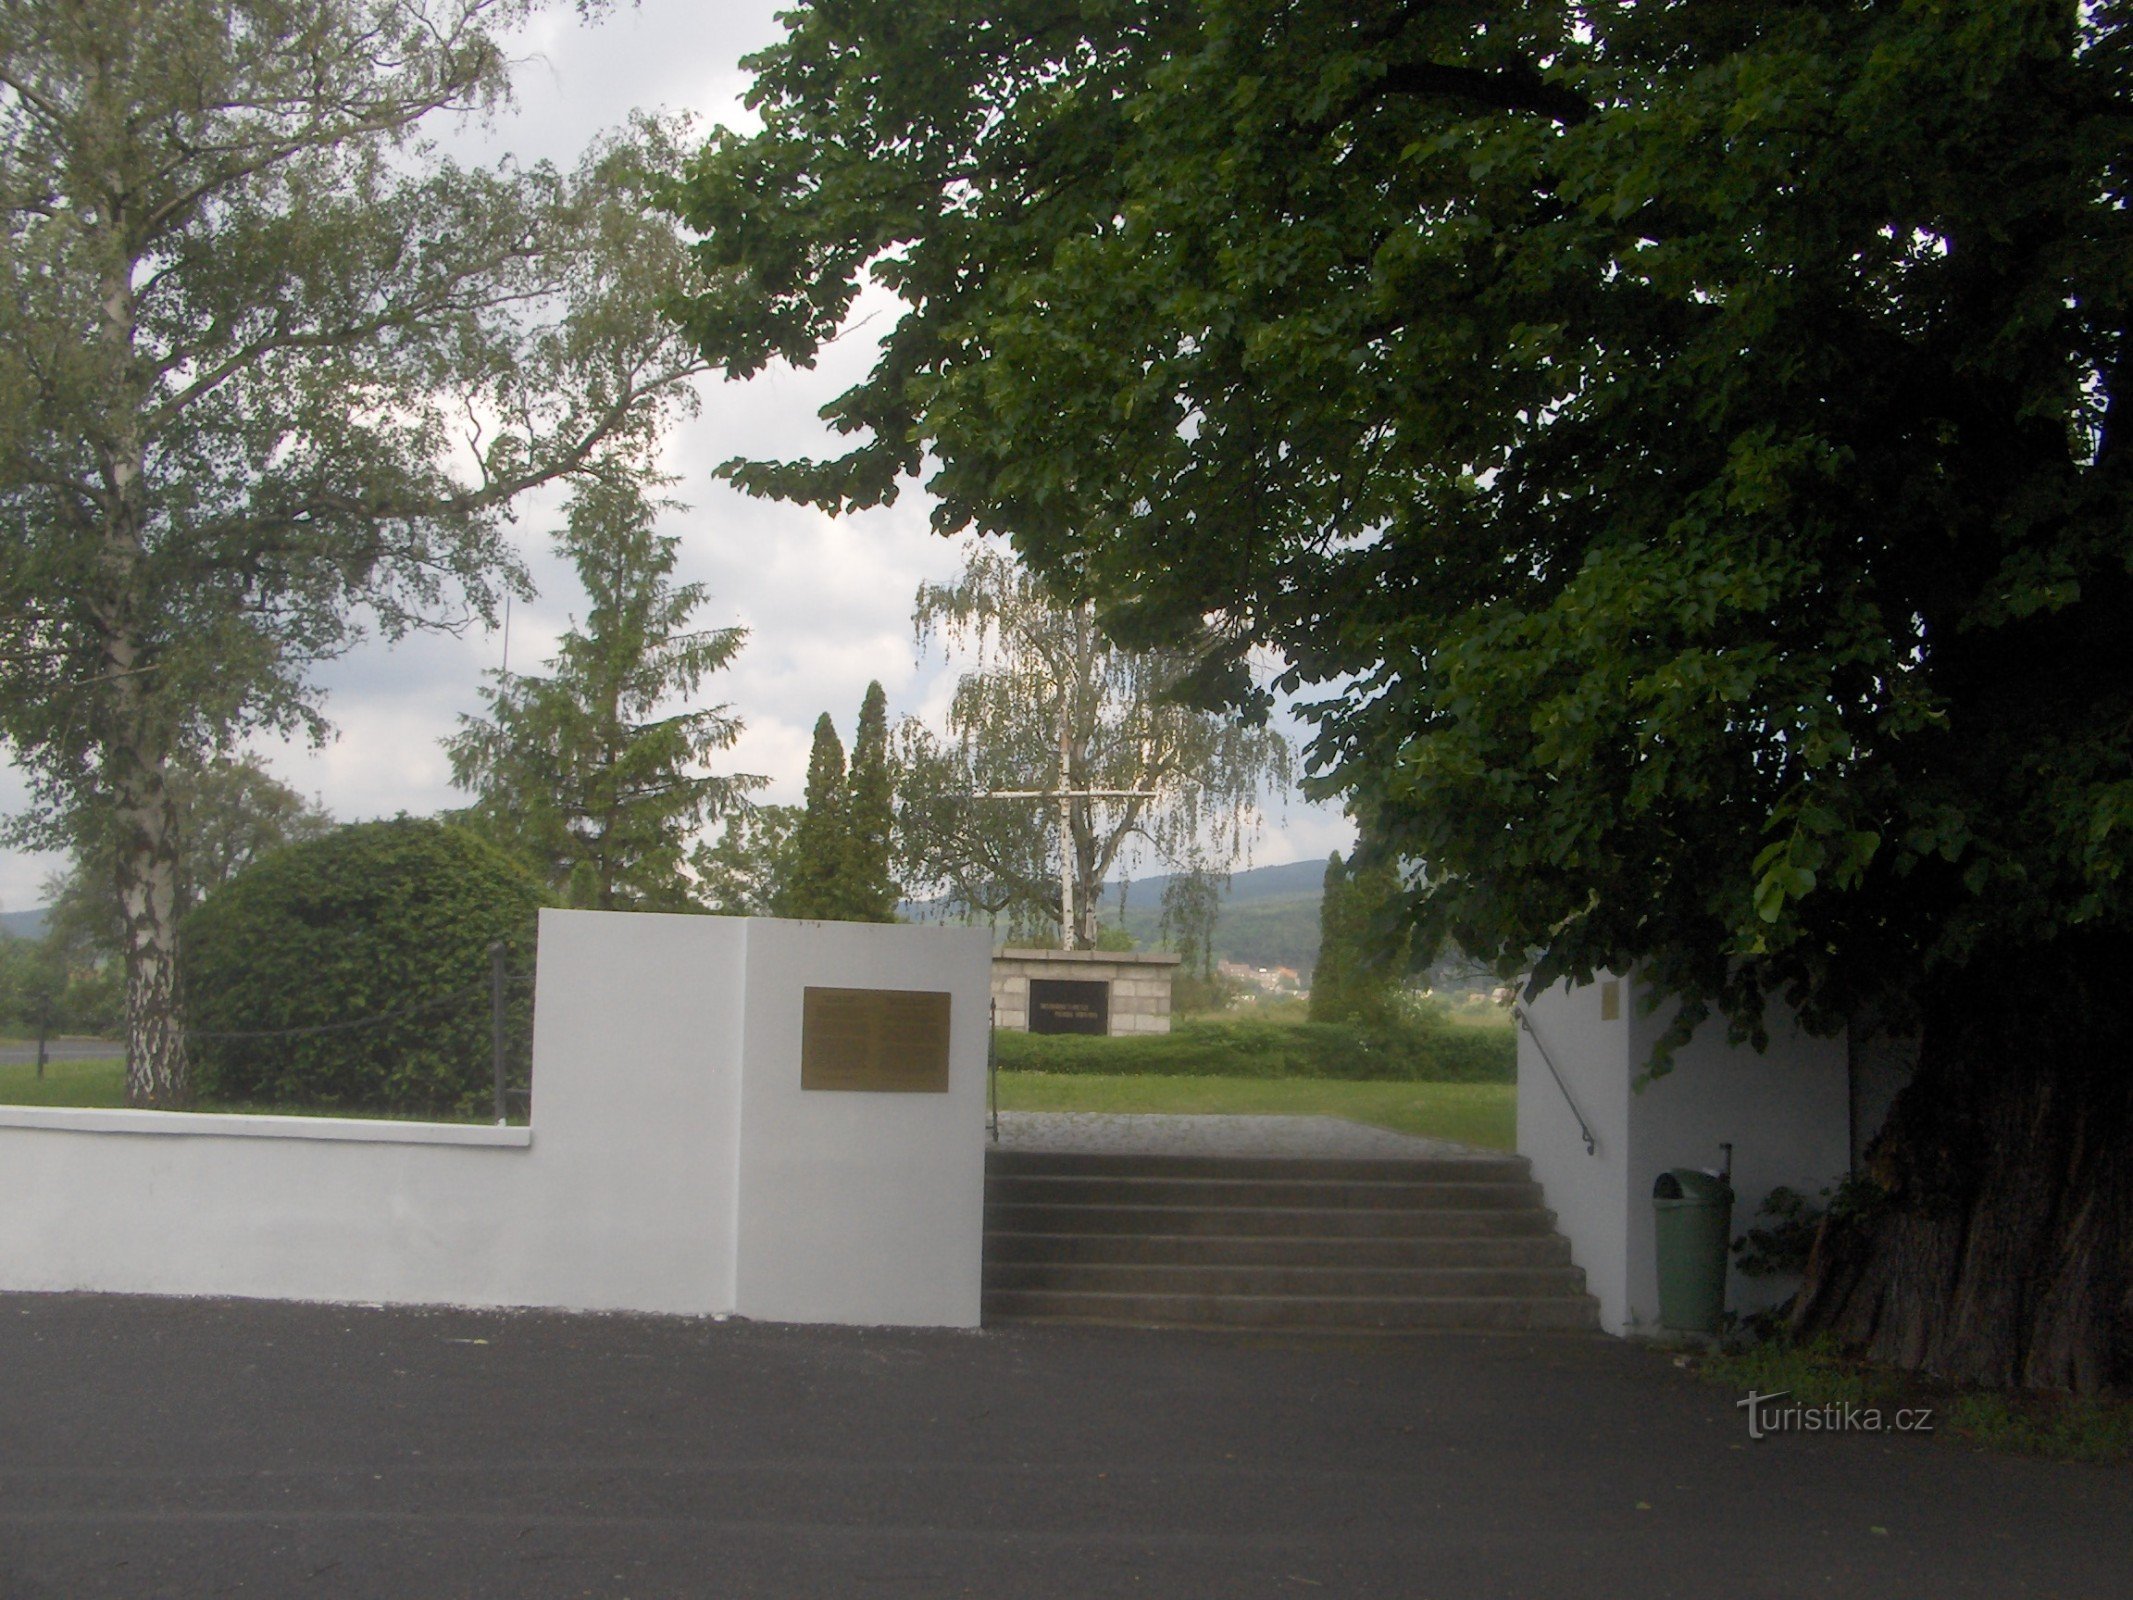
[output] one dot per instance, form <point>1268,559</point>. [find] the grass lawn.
<point>65,1083</point>
<point>103,1083</point>
<point>1483,1114</point>
<point>1472,1113</point>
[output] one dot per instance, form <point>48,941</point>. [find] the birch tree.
<point>272,371</point>
<point>1054,730</point>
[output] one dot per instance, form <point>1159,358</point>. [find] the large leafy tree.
<point>1056,732</point>
<point>271,368</point>
<point>1192,909</point>
<point>743,872</point>
<point>230,811</point>
<point>1691,437</point>
<point>596,773</point>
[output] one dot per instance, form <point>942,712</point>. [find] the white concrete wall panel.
<point>1588,1193</point>
<point>628,1192</point>
<point>1785,1111</point>
<point>861,1207</point>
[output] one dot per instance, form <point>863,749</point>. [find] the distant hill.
<point>1289,881</point>
<point>23,924</point>
<point>1269,916</point>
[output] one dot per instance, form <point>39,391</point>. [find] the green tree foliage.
<point>1331,978</point>
<point>380,919</point>
<point>230,812</point>
<point>589,773</point>
<point>1360,944</point>
<point>743,872</point>
<point>1192,905</point>
<point>1191,911</point>
<point>1051,705</point>
<point>33,986</point>
<point>1690,440</point>
<point>821,843</point>
<point>272,369</point>
<point>870,818</point>
<point>835,863</point>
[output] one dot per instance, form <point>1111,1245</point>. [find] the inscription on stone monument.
<point>1063,1005</point>
<point>891,1041</point>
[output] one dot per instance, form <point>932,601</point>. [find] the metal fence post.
<point>496,1022</point>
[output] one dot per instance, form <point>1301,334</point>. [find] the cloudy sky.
<point>827,602</point>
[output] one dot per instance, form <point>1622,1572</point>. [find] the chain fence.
<point>434,1055</point>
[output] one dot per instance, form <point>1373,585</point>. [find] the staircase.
<point>1335,1246</point>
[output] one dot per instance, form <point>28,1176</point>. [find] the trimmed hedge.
<point>381,918</point>
<point>1418,1051</point>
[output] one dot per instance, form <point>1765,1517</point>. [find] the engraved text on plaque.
<point>885,1040</point>
<point>1061,1005</point>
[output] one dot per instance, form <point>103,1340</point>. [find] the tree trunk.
<point>147,822</point>
<point>136,724</point>
<point>1993,1244</point>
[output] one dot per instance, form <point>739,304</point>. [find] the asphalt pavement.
<point>188,1448</point>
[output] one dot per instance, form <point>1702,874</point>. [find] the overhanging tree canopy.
<point>1691,437</point>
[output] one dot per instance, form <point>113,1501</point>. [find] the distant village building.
<point>1271,980</point>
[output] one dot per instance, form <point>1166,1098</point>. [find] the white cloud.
<point>827,601</point>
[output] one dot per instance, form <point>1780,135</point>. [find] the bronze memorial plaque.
<point>892,1041</point>
<point>1066,1005</point>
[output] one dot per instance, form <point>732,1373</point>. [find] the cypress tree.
<point>1333,973</point>
<point>1358,964</point>
<point>819,843</point>
<point>870,893</point>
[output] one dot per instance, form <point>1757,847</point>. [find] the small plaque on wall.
<point>887,1041</point>
<point>1061,1005</point>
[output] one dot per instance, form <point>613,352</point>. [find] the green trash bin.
<point>1693,1217</point>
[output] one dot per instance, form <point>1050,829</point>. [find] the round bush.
<point>387,920</point>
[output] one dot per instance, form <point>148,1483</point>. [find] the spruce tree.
<point>870,891</point>
<point>588,774</point>
<point>821,842</point>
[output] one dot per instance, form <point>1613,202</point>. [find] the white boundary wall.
<point>673,1165</point>
<point>1787,1113</point>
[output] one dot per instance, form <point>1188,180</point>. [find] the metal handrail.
<point>992,1067</point>
<point>1518,1010</point>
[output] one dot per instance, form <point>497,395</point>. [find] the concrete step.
<point>1481,1168</point>
<point>1269,1193</point>
<point>1313,1282</point>
<point>1268,1221</point>
<point>1455,1242</point>
<point>1193,1249</point>
<point>1326,1313</point>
